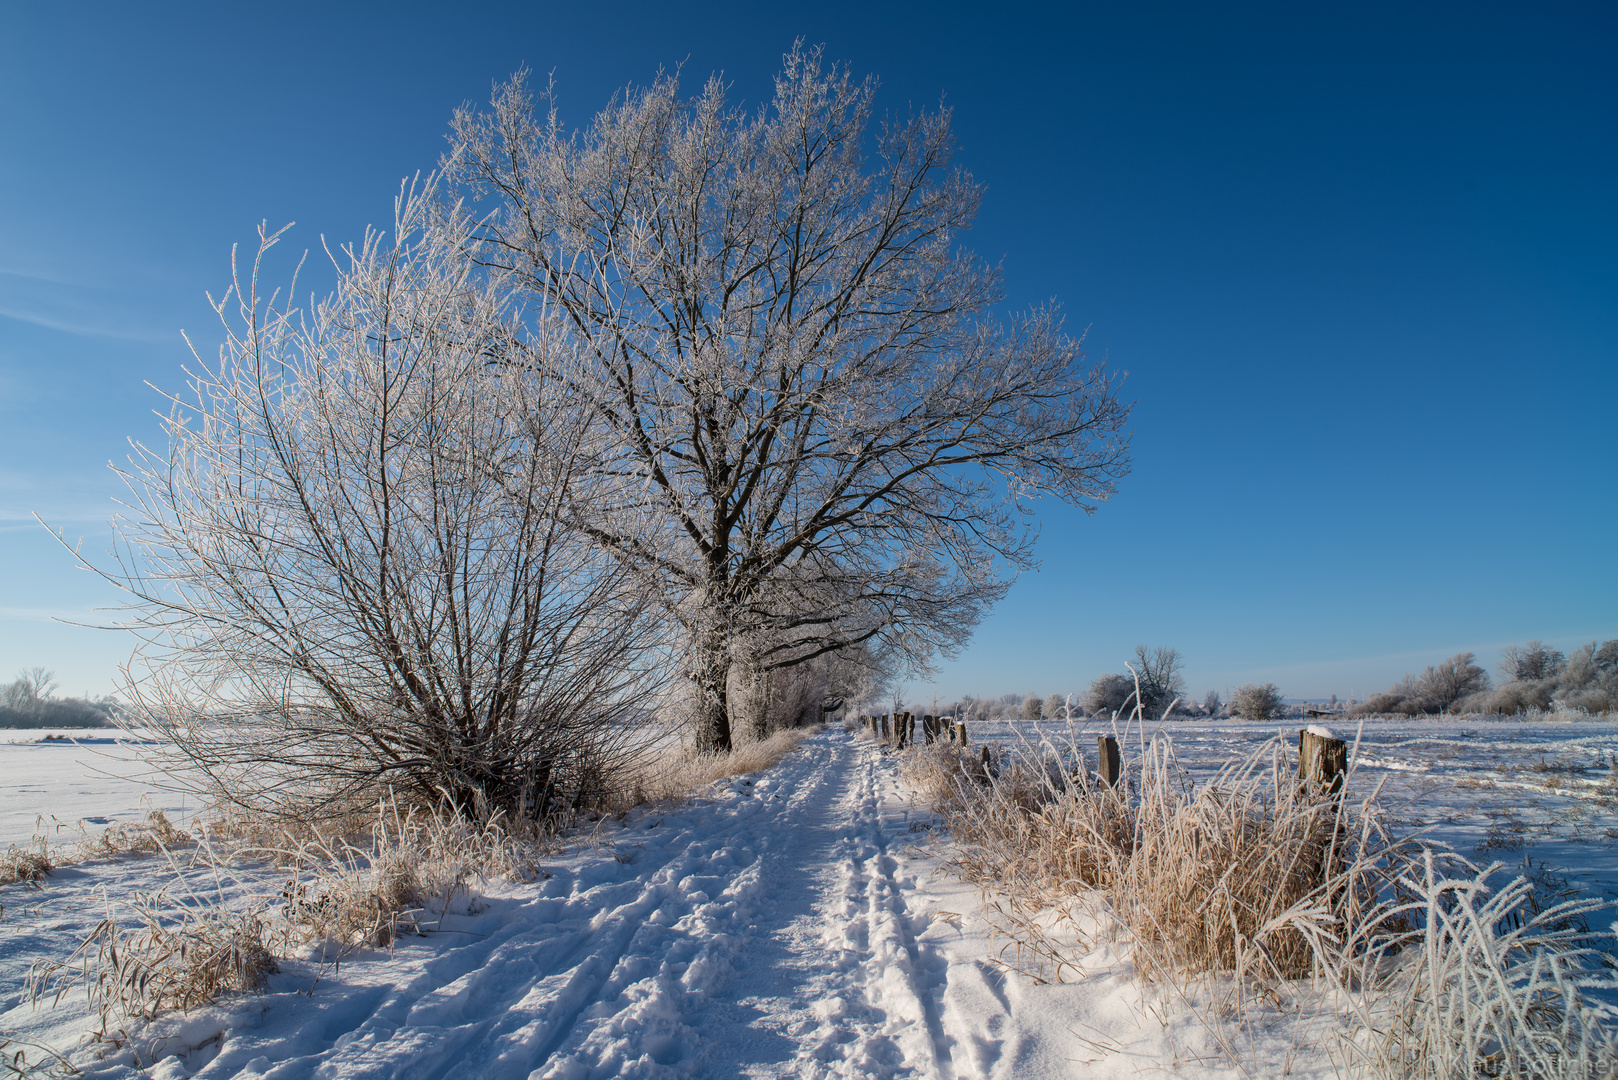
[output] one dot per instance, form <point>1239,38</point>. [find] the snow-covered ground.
<point>89,776</point>
<point>792,924</point>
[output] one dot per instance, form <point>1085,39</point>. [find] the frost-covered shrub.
<point>1453,679</point>
<point>1109,693</point>
<point>1540,677</point>
<point>1438,689</point>
<point>1256,702</point>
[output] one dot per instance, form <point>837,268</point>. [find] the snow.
<point>797,923</point>
<point>1321,730</point>
<point>80,776</point>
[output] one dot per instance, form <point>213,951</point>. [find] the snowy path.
<point>764,932</point>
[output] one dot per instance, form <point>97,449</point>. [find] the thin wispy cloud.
<point>78,616</point>
<point>67,325</point>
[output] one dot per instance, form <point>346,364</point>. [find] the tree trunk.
<point>756,687</point>
<point>712,672</point>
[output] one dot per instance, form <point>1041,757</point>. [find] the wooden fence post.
<point>960,732</point>
<point>1109,761</point>
<point>1322,759</point>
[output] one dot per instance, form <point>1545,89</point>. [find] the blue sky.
<point>1361,263</point>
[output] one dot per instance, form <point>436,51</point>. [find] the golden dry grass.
<point>681,776</point>
<point>35,860</point>
<point>1240,874</point>
<point>1256,885</point>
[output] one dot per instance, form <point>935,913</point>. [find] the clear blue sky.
<point>1361,262</point>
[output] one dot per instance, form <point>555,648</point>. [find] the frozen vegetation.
<point>807,920</point>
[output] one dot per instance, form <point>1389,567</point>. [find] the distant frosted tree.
<point>1448,682</point>
<point>814,424</point>
<point>1056,707</point>
<point>1109,693</point>
<point>1256,701</point>
<point>1160,679</point>
<point>1211,703</point>
<point>1032,708</point>
<point>1531,662</point>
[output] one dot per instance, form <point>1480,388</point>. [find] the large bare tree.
<point>814,433</point>
<point>351,566</point>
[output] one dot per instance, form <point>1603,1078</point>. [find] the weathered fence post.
<point>886,734</point>
<point>1322,759</point>
<point>1108,760</point>
<point>960,732</point>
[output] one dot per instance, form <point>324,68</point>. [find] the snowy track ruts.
<point>762,934</point>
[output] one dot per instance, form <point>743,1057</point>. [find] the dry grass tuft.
<point>34,861</point>
<point>180,954</point>
<point>1256,885</point>
<point>406,873</point>
<point>26,864</point>
<point>1239,875</point>
<point>681,776</point>
<point>1487,980</point>
<point>157,833</point>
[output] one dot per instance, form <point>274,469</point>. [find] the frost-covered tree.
<point>1032,708</point>
<point>1109,693</point>
<point>1211,703</point>
<point>1531,662</point>
<point>1446,683</point>
<point>814,427</point>
<point>1056,707</point>
<point>1256,702</point>
<point>1160,679</point>
<point>351,566</point>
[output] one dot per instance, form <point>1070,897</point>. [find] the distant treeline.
<point>1533,676</point>
<point>29,702</point>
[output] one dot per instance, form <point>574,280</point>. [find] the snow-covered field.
<point>792,924</point>
<point>93,777</point>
